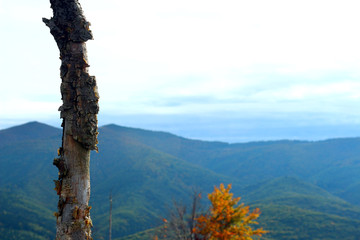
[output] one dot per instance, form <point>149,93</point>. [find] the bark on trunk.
<point>78,111</point>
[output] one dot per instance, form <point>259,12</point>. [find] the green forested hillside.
<point>143,181</point>
<point>22,217</point>
<point>331,164</point>
<point>306,190</point>
<point>292,209</point>
<point>291,222</point>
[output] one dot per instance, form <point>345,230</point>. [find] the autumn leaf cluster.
<point>227,220</point>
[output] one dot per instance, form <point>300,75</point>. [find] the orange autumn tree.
<point>226,219</point>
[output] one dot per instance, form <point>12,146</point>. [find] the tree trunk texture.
<point>78,111</point>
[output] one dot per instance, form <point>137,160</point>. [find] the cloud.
<point>262,59</point>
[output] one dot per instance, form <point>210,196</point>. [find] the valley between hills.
<point>305,189</point>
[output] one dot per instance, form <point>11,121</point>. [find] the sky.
<point>229,70</point>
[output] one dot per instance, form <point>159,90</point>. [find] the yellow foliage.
<point>227,220</point>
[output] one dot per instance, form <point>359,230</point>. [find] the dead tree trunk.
<point>78,111</point>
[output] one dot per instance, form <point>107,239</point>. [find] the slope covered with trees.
<point>334,164</point>
<point>309,186</point>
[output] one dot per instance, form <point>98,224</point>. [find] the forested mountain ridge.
<point>145,170</point>
<point>331,164</point>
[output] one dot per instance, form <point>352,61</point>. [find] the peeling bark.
<point>78,111</point>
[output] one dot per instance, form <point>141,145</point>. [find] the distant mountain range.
<point>306,190</point>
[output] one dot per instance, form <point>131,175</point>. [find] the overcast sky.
<point>197,67</point>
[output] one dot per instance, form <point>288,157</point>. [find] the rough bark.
<point>78,111</point>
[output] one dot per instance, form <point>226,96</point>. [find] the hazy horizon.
<point>228,134</point>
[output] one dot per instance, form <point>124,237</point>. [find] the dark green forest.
<point>305,190</point>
